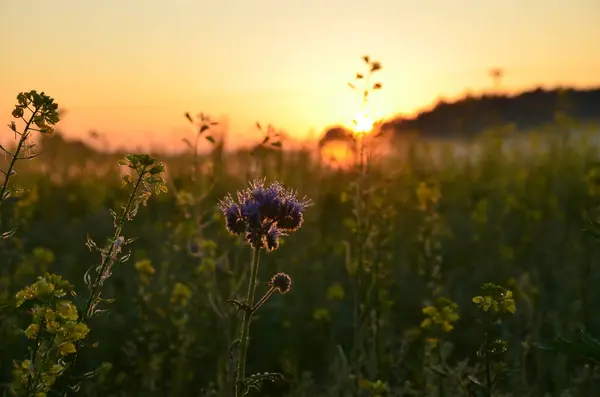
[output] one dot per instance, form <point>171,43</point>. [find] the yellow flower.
<point>181,294</point>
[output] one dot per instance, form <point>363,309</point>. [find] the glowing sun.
<point>363,123</point>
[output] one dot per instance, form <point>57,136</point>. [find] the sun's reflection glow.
<point>336,153</point>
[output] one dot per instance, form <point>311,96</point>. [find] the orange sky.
<point>130,69</point>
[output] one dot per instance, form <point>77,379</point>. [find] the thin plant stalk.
<point>361,209</point>
<point>359,240</point>
<point>107,258</point>
<point>31,382</point>
<point>488,364</point>
<point>105,262</point>
<point>15,155</point>
<point>245,331</point>
<point>44,115</point>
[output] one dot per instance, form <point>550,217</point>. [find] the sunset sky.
<point>131,69</point>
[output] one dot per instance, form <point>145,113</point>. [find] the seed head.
<point>281,282</point>
<point>264,213</point>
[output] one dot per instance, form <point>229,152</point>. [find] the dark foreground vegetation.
<point>391,273</point>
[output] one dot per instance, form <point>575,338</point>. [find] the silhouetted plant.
<point>262,214</point>
<point>268,150</point>
<point>365,269</point>
<point>364,93</point>
<point>204,124</point>
<point>39,113</point>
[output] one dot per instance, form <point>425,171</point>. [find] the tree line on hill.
<point>471,115</point>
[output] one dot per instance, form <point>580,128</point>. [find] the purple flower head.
<point>234,220</point>
<point>272,238</point>
<point>290,215</point>
<point>271,202</point>
<point>251,211</point>
<point>264,213</point>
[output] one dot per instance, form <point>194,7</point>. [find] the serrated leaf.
<point>210,139</point>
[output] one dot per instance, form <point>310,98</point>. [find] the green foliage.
<point>255,381</point>
<point>57,327</point>
<point>375,389</point>
<point>420,219</point>
<point>583,346</point>
<point>496,300</point>
<point>54,329</point>
<point>384,273</point>
<point>441,315</point>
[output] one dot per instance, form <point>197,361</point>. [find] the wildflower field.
<point>402,276</point>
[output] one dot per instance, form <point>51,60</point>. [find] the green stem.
<point>96,285</point>
<point>360,243</point>
<point>244,337</point>
<point>44,360</point>
<point>15,156</point>
<point>38,341</point>
<point>488,370</point>
<point>263,299</point>
<point>120,223</point>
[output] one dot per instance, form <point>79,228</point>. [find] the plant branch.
<point>14,159</point>
<point>107,258</point>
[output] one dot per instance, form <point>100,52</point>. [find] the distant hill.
<point>471,115</point>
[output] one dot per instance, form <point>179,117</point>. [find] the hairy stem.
<point>96,285</point>
<point>244,333</point>
<point>262,300</point>
<point>105,262</point>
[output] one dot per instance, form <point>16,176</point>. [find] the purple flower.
<point>290,216</point>
<point>264,213</point>
<point>272,238</point>
<point>233,220</point>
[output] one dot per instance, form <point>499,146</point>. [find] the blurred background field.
<point>513,216</point>
<point>483,167</point>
